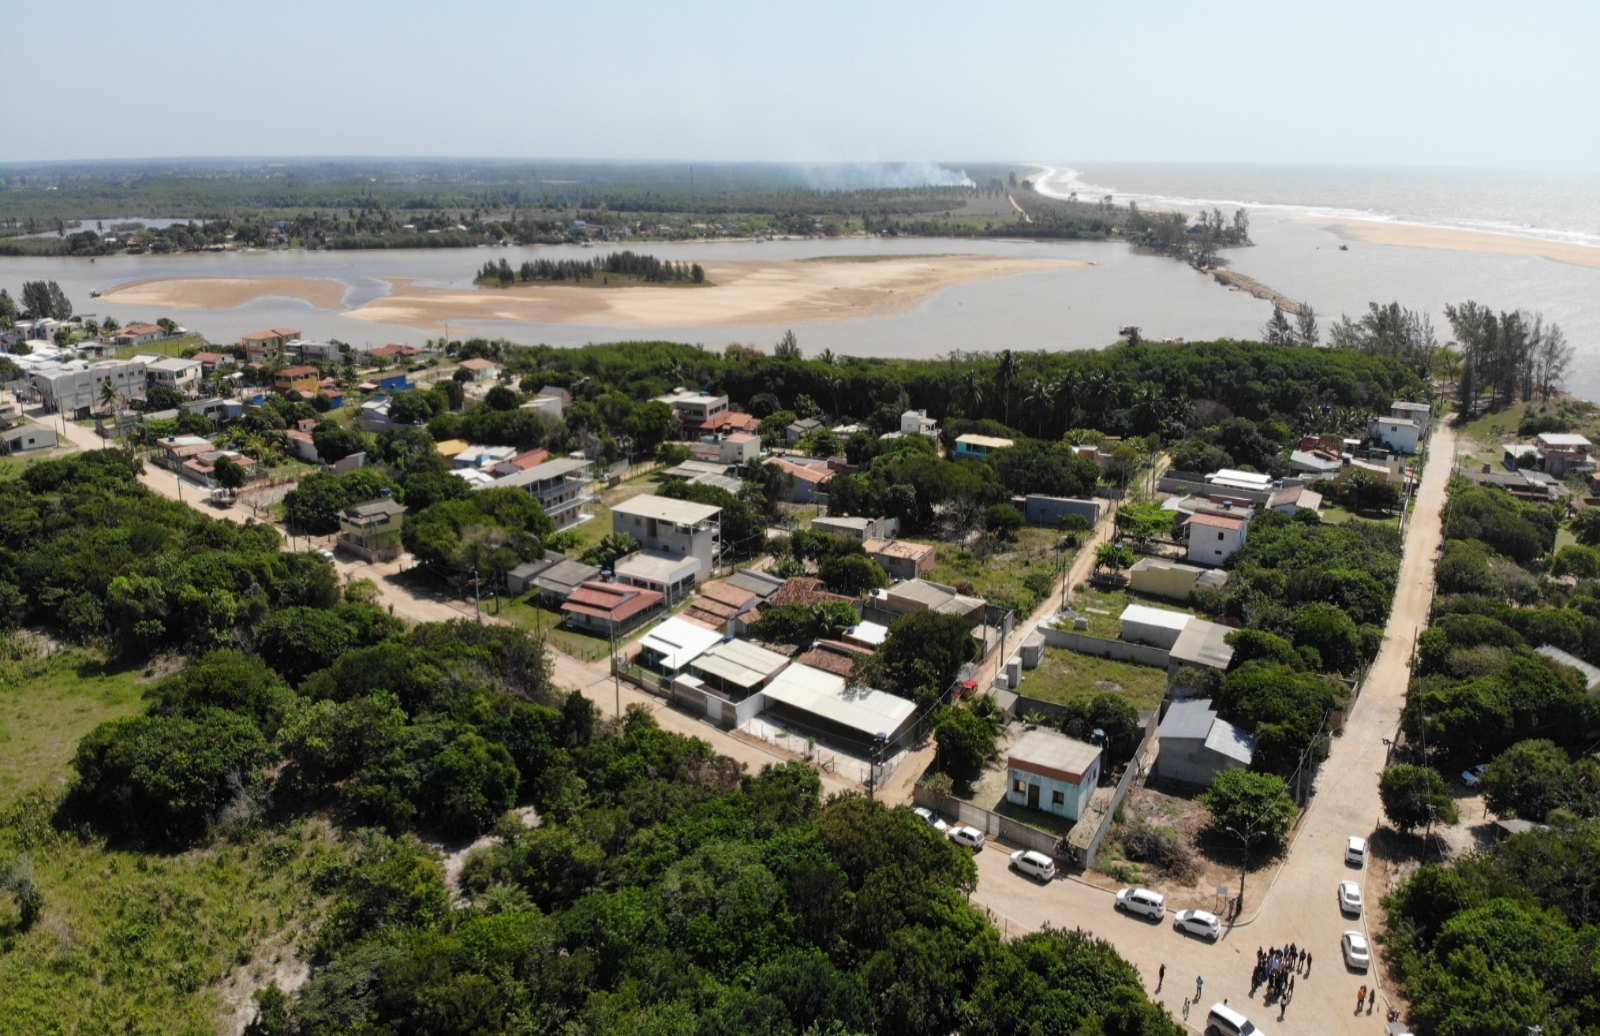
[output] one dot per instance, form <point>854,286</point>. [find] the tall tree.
<point>1277,330</point>
<point>1305,325</point>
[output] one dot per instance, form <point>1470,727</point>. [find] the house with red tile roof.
<point>611,609</point>
<point>1214,538</point>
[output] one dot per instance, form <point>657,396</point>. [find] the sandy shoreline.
<point>754,293</point>
<point>1409,235</point>
<point>226,292</point>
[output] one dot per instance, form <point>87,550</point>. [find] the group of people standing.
<point>1276,968</point>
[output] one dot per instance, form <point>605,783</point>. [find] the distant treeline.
<point>645,268</point>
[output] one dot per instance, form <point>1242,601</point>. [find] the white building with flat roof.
<point>677,528</point>
<point>825,701</point>
<point>1232,478</point>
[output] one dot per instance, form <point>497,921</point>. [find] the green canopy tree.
<point>1414,796</point>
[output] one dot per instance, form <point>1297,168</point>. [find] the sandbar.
<point>226,292</point>
<point>1411,236</point>
<point>739,294</point>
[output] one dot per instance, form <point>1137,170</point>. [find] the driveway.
<point>1299,906</point>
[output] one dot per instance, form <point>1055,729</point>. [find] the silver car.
<point>1350,897</point>
<point>1357,954</point>
<point>933,819</point>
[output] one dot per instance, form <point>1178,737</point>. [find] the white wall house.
<point>1214,538</point>
<point>1400,434</point>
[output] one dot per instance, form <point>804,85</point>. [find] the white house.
<point>1214,538</point>
<point>917,422</point>
<point>1400,434</point>
<point>676,528</point>
<point>173,372</point>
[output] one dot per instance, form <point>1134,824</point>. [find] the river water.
<point>1066,309</point>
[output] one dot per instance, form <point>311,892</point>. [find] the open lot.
<point>56,702</point>
<point>1104,608</point>
<point>1065,677</point>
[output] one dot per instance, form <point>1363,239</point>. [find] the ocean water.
<point>1553,206</point>
<point>1306,262</point>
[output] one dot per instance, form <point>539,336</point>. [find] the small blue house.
<point>394,383</point>
<point>1050,771</point>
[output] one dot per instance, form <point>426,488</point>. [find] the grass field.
<point>43,715</point>
<point>1104,608</point>
<point>525,613</point>
<point>129,942</point>
<point>1066,677</point>
<point>166,347</point>
<point>1002,574</point>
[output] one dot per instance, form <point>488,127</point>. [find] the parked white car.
<point>1357,953</point>
<point>970,837</point>
<point>1198,922</point>
<point>1142,901</point>
<point>1355,850</point>
<point>1034,863</point>
<point>1471,777</point>
<point>1350,897</point>
<point>933,819</point>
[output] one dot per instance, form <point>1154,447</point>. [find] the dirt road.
<point>1300,905</point>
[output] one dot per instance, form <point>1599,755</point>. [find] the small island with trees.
<point>619,269</point>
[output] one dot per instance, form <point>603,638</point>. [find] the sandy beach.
<point>739,294</point>
<point>226,292</point>
<point>1411,236</point>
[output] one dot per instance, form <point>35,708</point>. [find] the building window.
<point>1019,786</point>
<point>1058,798</point>
<point>1219,535</point>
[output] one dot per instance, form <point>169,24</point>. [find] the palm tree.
<point>974,389</point>
<point>1006,374</point>
<point>1069,388</point>
<point>1039,396</point>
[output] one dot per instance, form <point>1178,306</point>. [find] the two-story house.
<point>173,372</point>
<point>1561,452</point>
<point>304,379</point>
<point>674,527</point>
<point>372,530</point>
<point>261,346</point>
<point>562,487</point>
<point>1214,538</point>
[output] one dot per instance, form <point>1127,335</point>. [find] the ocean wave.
<point>1063,181</point>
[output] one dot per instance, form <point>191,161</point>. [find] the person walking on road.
<point>1372,999</point>
<point>1291,987</point>
<point>1200,985</point>
<point>1308,964</point>
<point>1361,997</point>
<point>1161,978</point>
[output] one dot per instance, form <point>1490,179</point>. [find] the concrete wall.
<point>1191,483</point>
<point>1171,582</point>
<point>1049,510</point>
<point>993,825</point>
<point>1188,760</point>
<point>1100,647</point>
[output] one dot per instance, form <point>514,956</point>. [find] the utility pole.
<point>616,677</point>
<point>477,596</point>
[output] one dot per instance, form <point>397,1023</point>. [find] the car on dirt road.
<point>1142,901</point>
<point>1198,922</point>
<point>1357,954</point>
<point>933,819</point>
<point>1350,897</point>
<point>1355,850</point>
<point>1036,864</point>
<point>970,837</point>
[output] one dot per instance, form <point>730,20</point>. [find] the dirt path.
<point>1020,210</point>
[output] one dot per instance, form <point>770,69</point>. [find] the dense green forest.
<point>659,890</point>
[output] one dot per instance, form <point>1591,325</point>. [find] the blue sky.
<point>1404,83</point>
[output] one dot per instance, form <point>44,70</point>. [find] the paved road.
<point>1299,906</point>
